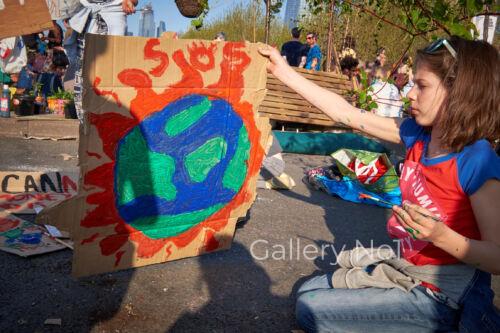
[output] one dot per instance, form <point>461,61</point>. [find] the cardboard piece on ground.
<point>18,19</point>
<point>169,152</point>
<point>63,215</point>
<point>24,238</point>
<point>25,192</point>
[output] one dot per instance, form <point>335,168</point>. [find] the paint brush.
<point>369,197</point>
<point>58,240</point>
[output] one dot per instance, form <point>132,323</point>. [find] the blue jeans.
<point>321,308</point>
<point>478,312</point>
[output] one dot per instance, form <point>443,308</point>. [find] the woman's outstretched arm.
<point>332,104</point>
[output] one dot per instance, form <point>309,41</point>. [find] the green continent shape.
<point>13,233</point>
<point>204,158</point>
<point>142,171</point>
<point>236,171</point>
<point>164,226</point>
<point>187,117</point>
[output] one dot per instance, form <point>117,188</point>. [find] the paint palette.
<point>24,238</point>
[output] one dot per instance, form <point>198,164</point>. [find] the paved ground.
<point>235,290</point>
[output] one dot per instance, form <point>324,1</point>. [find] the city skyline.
<point>160,29</point>
<point>292,12</point>
<point>167,11</point>
<point>147,26</point>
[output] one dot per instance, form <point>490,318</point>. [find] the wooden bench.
<point>284,105</point>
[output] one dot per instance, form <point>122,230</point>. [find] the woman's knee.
<point>314,283</point>
<point>305,310</point>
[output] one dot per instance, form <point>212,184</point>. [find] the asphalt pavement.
<point>289,237</point>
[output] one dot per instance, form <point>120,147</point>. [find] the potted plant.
<point>192,8</point>
<point>58,101</point>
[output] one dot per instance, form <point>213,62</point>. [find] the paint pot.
<point>33,238</point>
<point>23,105</point>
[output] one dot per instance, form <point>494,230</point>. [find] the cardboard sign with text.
<point>25,192</point>
<point>170,152</point>
<point>23,17</point>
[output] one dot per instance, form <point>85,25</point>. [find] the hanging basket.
<point>189,8</point>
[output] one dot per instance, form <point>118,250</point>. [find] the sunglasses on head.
<point>431,49</point>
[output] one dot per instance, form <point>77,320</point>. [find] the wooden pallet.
<point>285,105</point>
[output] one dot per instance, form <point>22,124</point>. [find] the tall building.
<point>292,11</point>
<point>161,29</point>
<point>147,21</point>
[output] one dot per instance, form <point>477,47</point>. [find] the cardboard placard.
<point>24,17</point>
<point>170,152</point>
<point>24,238</point>
<point>25,192</point>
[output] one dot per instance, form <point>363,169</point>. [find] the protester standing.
<point>313,60</point>
<point>293,51</point>
<point>104,17</point>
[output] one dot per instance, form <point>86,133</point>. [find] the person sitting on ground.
<point>313,60</point>
<point>51,81</point>
<point>27,75</point>
<point>293,51</point>
<point>448,229</point>
<point>54,38</point>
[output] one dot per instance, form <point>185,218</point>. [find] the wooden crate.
<point>284,105</point>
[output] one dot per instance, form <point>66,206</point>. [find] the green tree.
<point>242,22</point>
<point>415,20</point>
<point>272,7</point>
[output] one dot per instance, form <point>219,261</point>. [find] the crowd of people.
<point>389,86</point>
<point>42,64</point>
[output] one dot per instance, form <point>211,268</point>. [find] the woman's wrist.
<point>443,236</point>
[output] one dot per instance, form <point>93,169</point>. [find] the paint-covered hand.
<point>419,222</point>
<point>276,63</point>
<point>128,6</point>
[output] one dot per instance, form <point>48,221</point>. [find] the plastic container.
<point>5,102</point>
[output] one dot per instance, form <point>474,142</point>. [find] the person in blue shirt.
<point>314,55</point>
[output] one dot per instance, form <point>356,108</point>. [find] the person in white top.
<point>387,97</point>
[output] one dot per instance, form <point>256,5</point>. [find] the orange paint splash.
<point>99,92</point>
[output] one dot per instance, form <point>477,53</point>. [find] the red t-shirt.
<point>443,186</point>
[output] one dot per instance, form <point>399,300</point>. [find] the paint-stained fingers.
<point>407,222</point>
<point>412,232</point>
<point>419,214</point>
<point>401,215</point>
